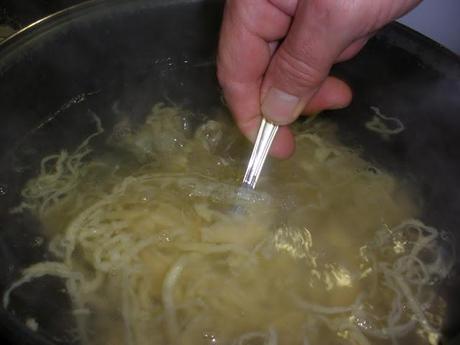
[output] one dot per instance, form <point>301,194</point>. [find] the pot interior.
<point>114,58</point>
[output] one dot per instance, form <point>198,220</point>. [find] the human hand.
<point>260,76</point>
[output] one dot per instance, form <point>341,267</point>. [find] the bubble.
<point>210,337</point>
<point>444,235</point>
<point>37,241</point>
<point>3,189</point>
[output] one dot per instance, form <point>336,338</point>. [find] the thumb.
<point>302,62</point>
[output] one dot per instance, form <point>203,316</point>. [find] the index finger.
<point>246,41</point>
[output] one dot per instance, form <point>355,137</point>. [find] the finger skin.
<point>314,34</point>
<point>332,94</point>
<point>322,33</point>
<point>245,47</point>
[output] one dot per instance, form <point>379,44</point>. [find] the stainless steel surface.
<point>264,140</point>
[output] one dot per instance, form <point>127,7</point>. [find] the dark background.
<point>20,13</point>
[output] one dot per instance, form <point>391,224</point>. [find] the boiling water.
<point>328,250</point>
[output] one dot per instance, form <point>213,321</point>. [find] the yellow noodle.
<point>327,250</point>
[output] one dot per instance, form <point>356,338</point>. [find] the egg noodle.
<point>145,237</point>
<point>384,125</point>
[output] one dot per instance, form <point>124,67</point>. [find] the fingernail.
<point>279,106</point>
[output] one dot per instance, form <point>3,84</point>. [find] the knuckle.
<point>223,77</point>
<point>298,70</point>
<point>225,68</point>
<point>228,83</point>
<point>345,15</point>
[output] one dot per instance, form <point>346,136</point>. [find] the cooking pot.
<point>121,56</point>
